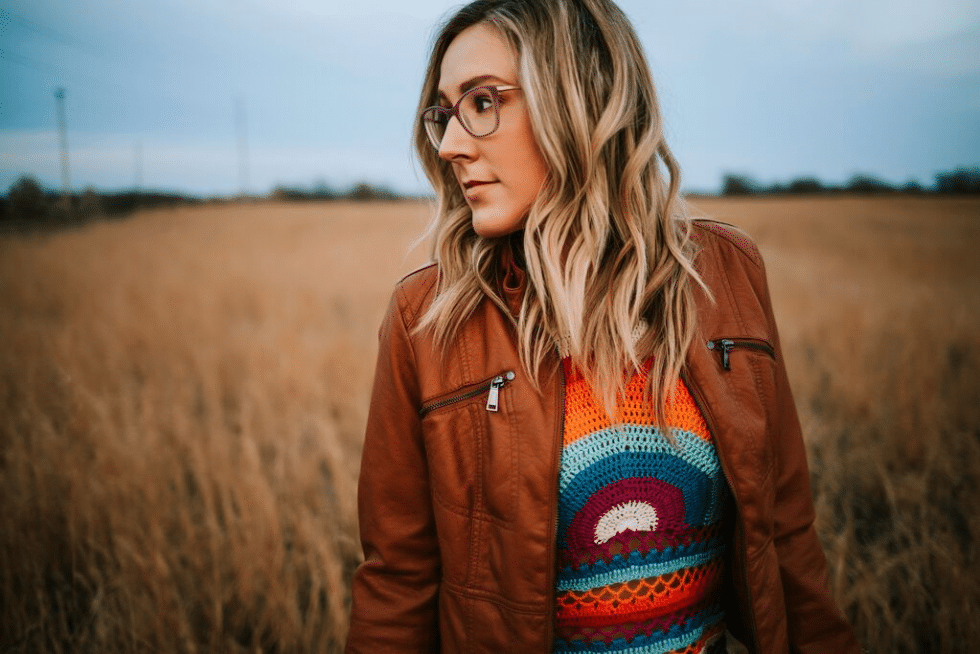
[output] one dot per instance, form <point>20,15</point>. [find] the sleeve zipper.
<point>724,346</point>
<point>493,397</point>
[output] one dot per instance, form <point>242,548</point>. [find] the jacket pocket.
<point>747,371</point>
<point>472,448</point>
<point>725,346</point>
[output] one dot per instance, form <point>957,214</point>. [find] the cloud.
<point>883,24</point>
<point>938,38</point>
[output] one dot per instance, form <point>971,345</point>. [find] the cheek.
<point>529,169</point>
<point>535,172</point>
<point>518,162</point>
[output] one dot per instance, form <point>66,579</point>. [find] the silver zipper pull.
<point>726,349</point>
<point>725,346</point>
<point>493,399</point>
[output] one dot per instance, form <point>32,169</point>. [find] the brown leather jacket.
<point>458,504</point>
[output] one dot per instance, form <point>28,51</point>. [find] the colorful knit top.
<point>641,527</point>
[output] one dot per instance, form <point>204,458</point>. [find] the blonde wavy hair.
<point>606,244</point>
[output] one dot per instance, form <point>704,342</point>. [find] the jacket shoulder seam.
<point>735,236</point>
<point>417,272</point>
<point>413,289</point>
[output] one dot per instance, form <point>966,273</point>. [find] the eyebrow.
<point>471,83</point>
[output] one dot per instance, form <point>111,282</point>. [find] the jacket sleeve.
<point>395,590</point>
<point>815,624</point>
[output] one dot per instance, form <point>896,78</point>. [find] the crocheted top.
<point>642,526</point>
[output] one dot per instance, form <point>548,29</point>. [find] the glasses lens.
<point>478,110</point>
<point>435,122</point>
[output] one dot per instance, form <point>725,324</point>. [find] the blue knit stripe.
<point>579,455</point>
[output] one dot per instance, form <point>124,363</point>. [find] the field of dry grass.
<point>182,397</point>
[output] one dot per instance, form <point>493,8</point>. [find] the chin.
<point>491,224</point>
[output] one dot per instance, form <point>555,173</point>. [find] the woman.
<point>581,436</point>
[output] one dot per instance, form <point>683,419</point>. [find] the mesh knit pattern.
<point>641,535</point>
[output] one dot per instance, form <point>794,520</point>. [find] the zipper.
<point>724,346</point>
<point>491,387</point>
<point>553,558</point>
<point>493,397</point>
<point>739,528</point>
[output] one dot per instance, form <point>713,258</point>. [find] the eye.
<point>481,101</point>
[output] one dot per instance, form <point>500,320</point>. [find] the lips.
<point>470,184</point>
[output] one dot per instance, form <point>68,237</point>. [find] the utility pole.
<point>59,95</point>
<point>138,157</point>
<point>138,160</point>
<point>242,122</point>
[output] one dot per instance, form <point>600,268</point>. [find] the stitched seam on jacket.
<point>735,236</point>
<point>515,459</point>
<point>475,514</point>
<point>477,594</point>
<point>468,610</point>
<point>414,303</point>
<point>409,339</point>
<point>476,526</point>
<point>461,510</point>
<point>754,366</point>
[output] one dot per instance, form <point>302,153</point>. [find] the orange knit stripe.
<point>638,600</point>
<point>584,413</point>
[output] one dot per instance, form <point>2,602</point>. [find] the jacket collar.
<point>514,281</point>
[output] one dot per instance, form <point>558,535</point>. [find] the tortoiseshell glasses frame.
<point>478,118</point>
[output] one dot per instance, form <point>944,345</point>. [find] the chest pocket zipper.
<point>491,387</point>
<point>724,347</point>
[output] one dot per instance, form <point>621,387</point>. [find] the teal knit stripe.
<point>651,569</point>
<point>579,455</point>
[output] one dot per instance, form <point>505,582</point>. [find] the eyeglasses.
<point>478,111</point>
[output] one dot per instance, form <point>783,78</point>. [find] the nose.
<point>456,142</point>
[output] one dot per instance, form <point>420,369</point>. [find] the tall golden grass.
<point>183,393</point>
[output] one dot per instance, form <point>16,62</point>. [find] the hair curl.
<point>607,243</point>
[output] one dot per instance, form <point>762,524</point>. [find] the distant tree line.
<point>29,204</point>
<point>361,191</point>
<point>959,181</point>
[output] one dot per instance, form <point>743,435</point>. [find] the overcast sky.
<point>774,89</point>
